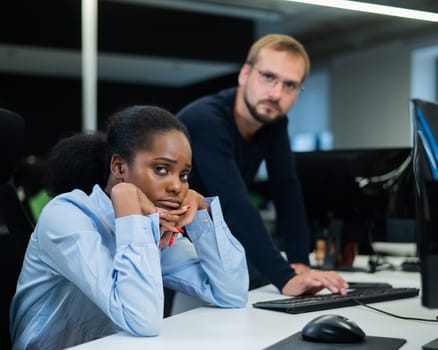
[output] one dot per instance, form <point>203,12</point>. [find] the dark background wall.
<point>51,106</point>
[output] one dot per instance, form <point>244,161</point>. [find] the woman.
<point>96,264</point>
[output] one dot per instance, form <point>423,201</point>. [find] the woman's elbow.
<point>237,297</point>
<point>145,326</point>
<point>241,298</point>
<point>146,330</point>
<point>236,301</point>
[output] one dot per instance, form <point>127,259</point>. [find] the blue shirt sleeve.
<point>127,286</point>
<point>86,275</point>
<point>212,266</point>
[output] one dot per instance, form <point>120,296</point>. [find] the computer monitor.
<point>355,195</point>
<point>370,190</point>
<point>424,117</point>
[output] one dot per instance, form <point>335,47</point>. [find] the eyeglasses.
<point>271,80</point>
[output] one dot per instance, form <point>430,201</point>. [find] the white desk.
<point>249,328</point>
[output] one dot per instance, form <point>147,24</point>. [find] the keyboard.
<point>297,305</point>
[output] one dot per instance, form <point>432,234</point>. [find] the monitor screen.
<point>356,195</point>
<point>424,116</point>
<point>370,190</point>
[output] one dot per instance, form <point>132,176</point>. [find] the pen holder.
<point>330,252</point>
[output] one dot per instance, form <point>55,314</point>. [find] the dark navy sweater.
<point>225,164</point>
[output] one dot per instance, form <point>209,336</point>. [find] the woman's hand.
<point>127,199</point>
<point>177,218</point>
<point>172,221</point>
<point>193,201</point>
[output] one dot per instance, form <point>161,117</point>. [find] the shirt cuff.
<point>137,229</point>
<point>203,222</point>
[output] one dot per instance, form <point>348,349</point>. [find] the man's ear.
<point>118,167</point>
<point>243,74</point>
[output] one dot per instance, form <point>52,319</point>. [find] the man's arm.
<point>216,167</point>
<point>286,192</point>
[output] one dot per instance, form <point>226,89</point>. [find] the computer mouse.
<point>332,329</point>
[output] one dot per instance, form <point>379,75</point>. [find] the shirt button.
<point>205,221</point>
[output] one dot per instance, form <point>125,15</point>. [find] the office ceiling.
<point>324,31</point>
<point>182,42</point>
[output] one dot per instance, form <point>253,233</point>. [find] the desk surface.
<point>250,328</point>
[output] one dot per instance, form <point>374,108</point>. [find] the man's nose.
<point>276,90</point>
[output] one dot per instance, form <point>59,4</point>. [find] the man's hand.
<point>312,282</point>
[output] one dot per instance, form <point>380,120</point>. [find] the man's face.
<point>271,85</point>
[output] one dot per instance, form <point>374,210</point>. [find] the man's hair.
<point>278,42</point>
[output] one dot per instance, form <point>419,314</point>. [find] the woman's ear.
<point>118,167</point>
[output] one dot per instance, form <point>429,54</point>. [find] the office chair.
<point>15,224</point>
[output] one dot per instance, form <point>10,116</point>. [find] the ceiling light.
<point>225,9</point>
<point>374,8</point>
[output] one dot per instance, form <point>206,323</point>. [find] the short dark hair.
<point>132,129</point>
<point>83,160</point>
<point>76,162</point>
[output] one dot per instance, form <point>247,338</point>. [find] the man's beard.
<point>256,115</point>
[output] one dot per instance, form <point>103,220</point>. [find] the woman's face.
<point>162,172</point>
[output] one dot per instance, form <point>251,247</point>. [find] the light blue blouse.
<point>87,275</point>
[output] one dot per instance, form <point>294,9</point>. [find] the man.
<point>231,133</point>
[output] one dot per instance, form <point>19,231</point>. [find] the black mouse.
<point>332,329</point>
